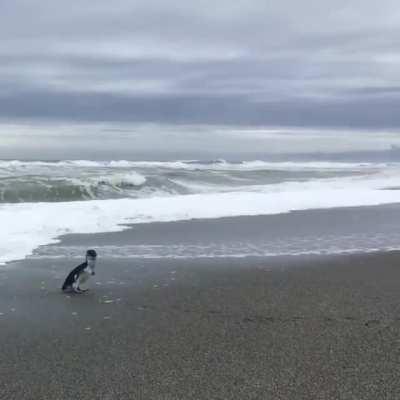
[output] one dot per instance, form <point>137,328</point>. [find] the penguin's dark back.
<point>71,276</point>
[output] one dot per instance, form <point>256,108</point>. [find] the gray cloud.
<point>200,109</point>
<point>307,64</point>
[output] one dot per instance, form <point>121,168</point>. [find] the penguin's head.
<point>91,256</point>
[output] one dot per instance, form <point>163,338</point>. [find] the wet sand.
<point>282,328</point>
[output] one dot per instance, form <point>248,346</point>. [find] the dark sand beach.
<point>294,327</point>
<point>301,327</point>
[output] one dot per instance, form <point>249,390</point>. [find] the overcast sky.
<point>114,66</point>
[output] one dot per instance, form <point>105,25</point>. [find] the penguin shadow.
<point>53,289</point>
<point>93,297</point>
<point>85,294</point>
<point>56,294</point>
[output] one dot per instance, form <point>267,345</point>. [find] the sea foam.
<point>25,226</point>
<point>190,165</point>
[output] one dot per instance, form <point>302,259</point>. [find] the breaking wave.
<point>60,181</point>
<point>191,164</point>
<point>42,200</point>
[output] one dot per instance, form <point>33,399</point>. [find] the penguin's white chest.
<point>83,277</point>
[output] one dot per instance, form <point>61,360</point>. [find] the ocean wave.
<point>50,196</point>
<point>254,165</point>
<point>34,188</point>
<point>121,180</point>
<point>74,180</point>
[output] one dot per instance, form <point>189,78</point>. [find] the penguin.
<point>81,274</point>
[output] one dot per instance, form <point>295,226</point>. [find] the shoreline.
<point>334,221</point>
<point>338,231</point>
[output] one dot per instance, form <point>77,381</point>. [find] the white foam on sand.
<point>26,226</point>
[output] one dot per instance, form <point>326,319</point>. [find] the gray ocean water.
<point>64,181</point>
<point>36,185</point>
<point>310,232</point>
